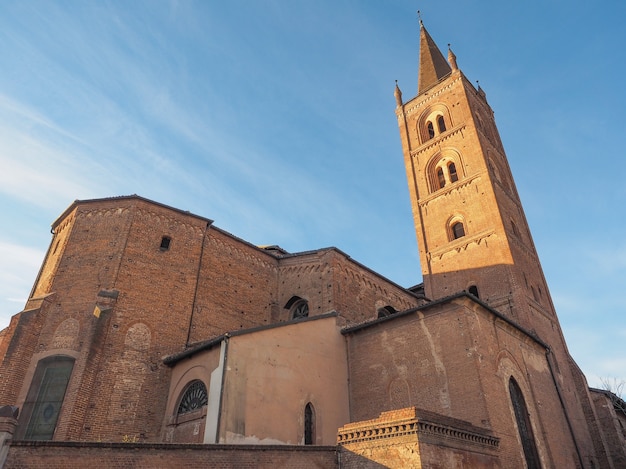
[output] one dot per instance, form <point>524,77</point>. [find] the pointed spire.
<point>398,94</point>
<point>433,66</point>
<point>452,59</point>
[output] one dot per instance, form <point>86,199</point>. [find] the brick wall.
<point>456,359</point>
<point>56,455</point>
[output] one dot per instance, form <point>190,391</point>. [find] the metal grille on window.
<point>194,398</point>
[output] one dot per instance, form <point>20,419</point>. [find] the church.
<point>153,338</point>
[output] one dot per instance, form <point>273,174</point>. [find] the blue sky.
<point>276,120</point>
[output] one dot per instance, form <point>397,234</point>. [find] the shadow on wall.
<point>350,460</point>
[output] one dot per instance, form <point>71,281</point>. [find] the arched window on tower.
<point>514,228</point>
<point>309,424</point>
<point>458,230</point>
<point>454,177</point>
<point>431,130</point>
<point>524,426</point>
<point>441,179</point>
<point>441,123</point>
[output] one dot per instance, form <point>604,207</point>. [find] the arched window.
<point>194,397</point>
<point>298,307</point>
<point>431,129</point>
<point>441,123</point>
<point>441,180</point>
<point>524,426</point>
<point>473,289</point>
<point>458,230</point>
<point>43,403</point>
<point>309,424</point>
<point>454,177</point>
<point>386,311</point>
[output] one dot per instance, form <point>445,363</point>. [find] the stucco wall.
<point>272,374</point>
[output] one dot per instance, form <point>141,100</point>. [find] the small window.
<point>165,243</point>
<point>452,170</point>
<point>298,307</point>
<point>514,228</point>
<point>441,180</point>
<point>473,290</point>
<point>300,310</point>
<point>441,123</point>
<point>386,311</point>
<point>309,424</point>
<point>458,230</point>
<point>431,130</point>
<point>194,397</point>
<point>535,296</point>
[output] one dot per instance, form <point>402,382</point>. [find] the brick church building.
<point>152,338</point>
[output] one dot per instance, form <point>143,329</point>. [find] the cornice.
<point>438,139</point>
<point>461,244</point>
<point>420,101</point>
<point>415,427</point>
<point>455,186</point>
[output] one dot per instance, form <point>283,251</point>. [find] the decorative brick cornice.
<point>438,140</point>
<point>460,244</point>
<point>418,102</point>
<point>389,427</point>
<point>450,188</point>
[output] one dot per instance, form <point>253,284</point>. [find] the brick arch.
<point>138,337</point>
<point>430,114</point>
<point>507,368</point>
<point>66,335</point>
<point>442,159</point>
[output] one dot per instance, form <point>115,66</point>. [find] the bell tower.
<point>470,225</point>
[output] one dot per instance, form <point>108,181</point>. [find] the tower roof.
<point>432,66</point>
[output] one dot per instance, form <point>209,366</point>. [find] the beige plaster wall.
<point>272,374</point>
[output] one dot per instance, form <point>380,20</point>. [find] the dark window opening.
<point>441,123</point>
<point>299,307</point>
<point>514,228</point>
<point>458,230</point>
<point>45,397</point>
<point>309,424</point>
<point>454,177</point>
<point>431,130</point>
<point>524,426</point>
<point>386,311</point>
<point>194,398</point>
<point>441,180</point>
<point>300,310</point>
<point>165,243</point>
<point>473,289</point>
<point>535,297</point>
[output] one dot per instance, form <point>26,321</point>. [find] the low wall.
<point>69,455</point>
